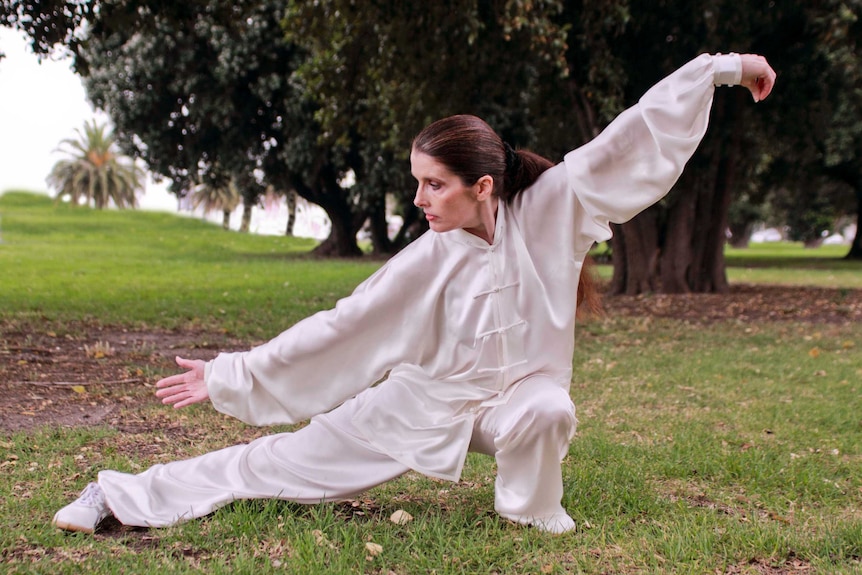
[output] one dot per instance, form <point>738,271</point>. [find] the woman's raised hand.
<point>184,388</point>
<point>757,75</point>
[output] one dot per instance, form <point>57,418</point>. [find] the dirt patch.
<point>747,303</point>
<point>90,373</point>
<point>85,376</point>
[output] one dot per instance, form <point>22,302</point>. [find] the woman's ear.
<point>484,187</point>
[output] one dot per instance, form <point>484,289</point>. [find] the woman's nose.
<point>419,199</point>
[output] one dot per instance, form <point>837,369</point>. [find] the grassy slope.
<point>158,269</point>
<point>732,450</point>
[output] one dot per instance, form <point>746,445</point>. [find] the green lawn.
<point>732,448</point>
<point>158,269</point>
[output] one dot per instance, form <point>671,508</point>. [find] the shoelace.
<point>93,496</point>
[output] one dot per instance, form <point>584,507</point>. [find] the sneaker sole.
<point>72,527</point>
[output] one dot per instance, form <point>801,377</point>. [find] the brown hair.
<point>470,149</point>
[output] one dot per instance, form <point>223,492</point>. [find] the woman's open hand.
<point>184,388</point>
<point>757,75</point>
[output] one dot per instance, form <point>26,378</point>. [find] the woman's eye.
<point>434,185</point>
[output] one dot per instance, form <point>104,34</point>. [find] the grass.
<point>732,449</point>
<point>67,263</point>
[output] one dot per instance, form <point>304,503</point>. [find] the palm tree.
<point>95,172</point>
<point>217,194</point>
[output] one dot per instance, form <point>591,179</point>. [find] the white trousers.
<point>328,461</point>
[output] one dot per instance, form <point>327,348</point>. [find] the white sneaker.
<point>85,513</point>
<point>556,523</point>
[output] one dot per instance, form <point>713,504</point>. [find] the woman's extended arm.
<point>637,159</point>
<point>325,358</point>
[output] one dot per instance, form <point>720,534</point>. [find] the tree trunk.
<point>225,221</point>
<point>380,229</point>
<point>328,194</point>
<point>411,228</point>
<point>341,241</point>
<point>855,252</point>
<point>740,234</point>
<point>290,200</point>
<point>323,188</point>
<point>635,247</point>
<point>246,217</point>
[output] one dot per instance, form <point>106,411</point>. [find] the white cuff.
<point>727,69</point>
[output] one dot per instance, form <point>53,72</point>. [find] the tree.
<point>380,71</point>
<point>812,169</point>
<point>95,172</point>
<point>229,98</point>
<point>839,32</point>
<point>351,84</point>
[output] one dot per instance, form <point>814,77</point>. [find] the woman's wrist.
<point>727,69</point>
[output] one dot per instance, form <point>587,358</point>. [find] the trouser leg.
<point>529,436</point>
<point>324,461</point>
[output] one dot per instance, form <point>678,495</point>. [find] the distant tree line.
<point>293,96</point>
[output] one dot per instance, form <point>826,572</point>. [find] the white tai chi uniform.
<point>473,343</point>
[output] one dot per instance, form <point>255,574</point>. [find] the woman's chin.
<point>439,227</point>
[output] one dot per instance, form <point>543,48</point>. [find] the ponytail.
<point>523,168</point>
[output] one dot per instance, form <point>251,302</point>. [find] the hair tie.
<point>513,160</point>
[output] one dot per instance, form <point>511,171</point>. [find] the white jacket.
<point>457,323</point>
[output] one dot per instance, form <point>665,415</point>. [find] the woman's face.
<point>448,203</point>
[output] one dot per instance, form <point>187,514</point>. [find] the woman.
<point>473,323</point>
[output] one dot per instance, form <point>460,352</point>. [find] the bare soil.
<point>90,373</point>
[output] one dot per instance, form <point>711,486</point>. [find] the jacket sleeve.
<point>636,160</point>
<point>326,358</point>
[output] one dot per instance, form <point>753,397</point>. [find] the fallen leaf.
<point>373,549</point>
<point>79,389</point>
<point>814,352</point>
<point>400,517</point>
